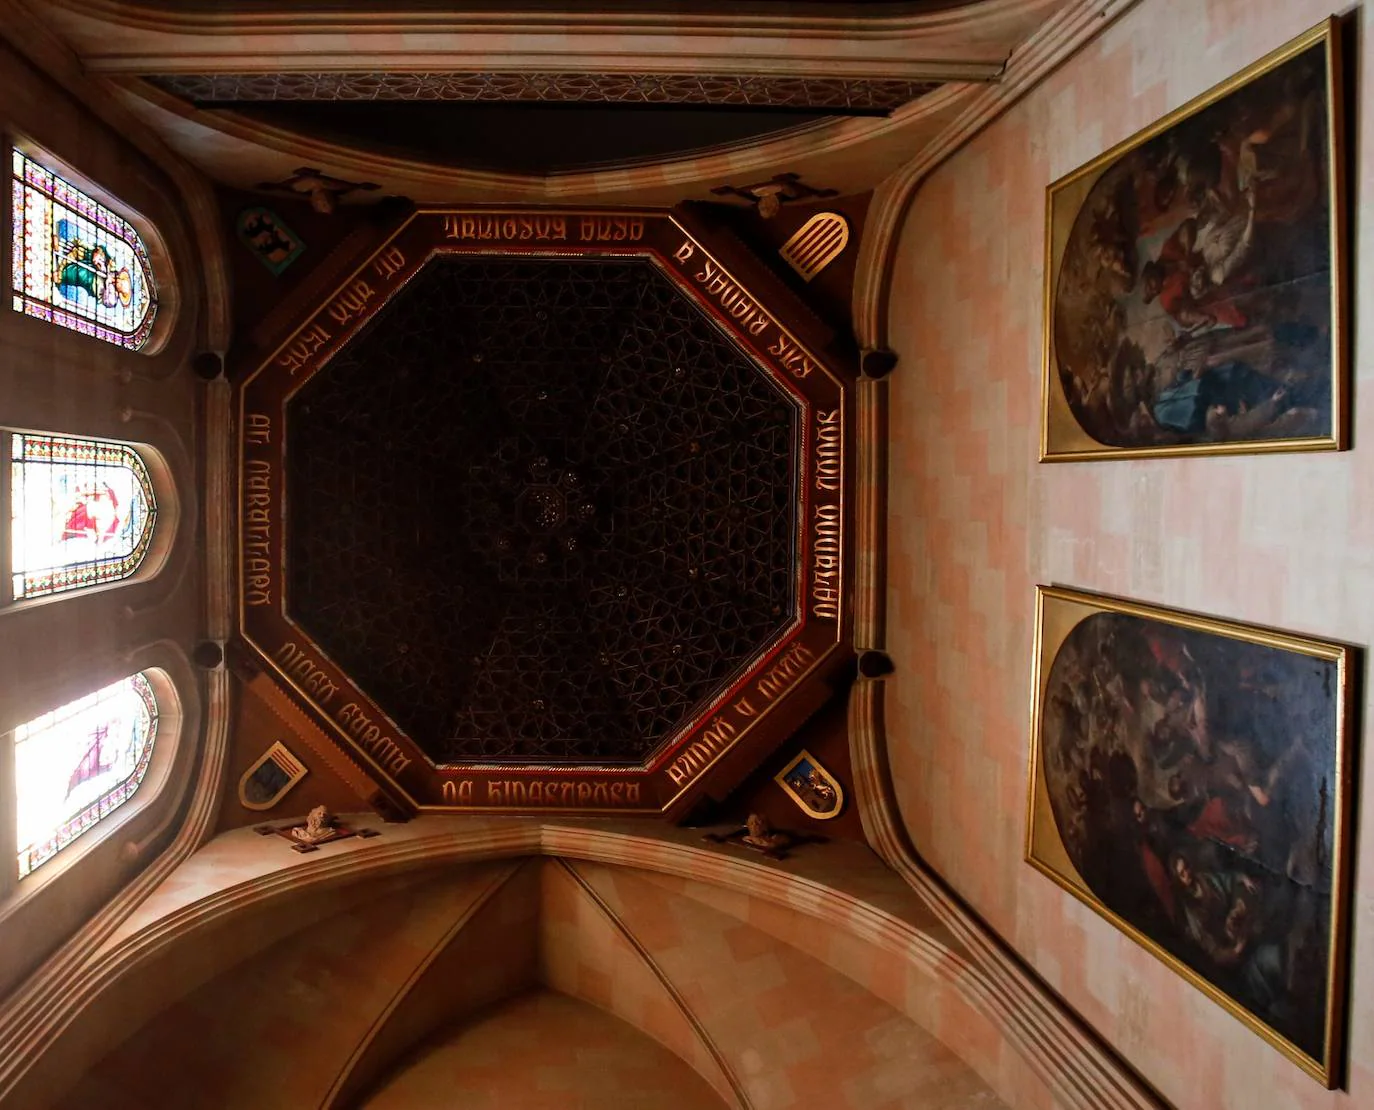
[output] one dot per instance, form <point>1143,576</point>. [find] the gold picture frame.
<point>1190,782</point>
<point>1195,297</point>
<point>816,791</point>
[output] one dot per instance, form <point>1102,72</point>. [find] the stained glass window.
<point>76,765</point>
<point>82,513</point>
<point>76,263</point>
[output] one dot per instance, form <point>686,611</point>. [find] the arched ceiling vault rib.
<point>741,1096</point>
<point>1082,1070</point>
<point>351,1079</point>
<point>37,41</point>
<point>48,993</point>
<point>33,1022</point>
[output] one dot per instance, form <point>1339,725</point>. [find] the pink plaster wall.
<point>276,1030</point>
<point>796,1033</point>
<point>976,523</point>
<point>545,1051</point>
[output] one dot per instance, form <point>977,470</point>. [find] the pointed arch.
<point>82,513</point>
<point>76,262</point>
<point>77,764</point>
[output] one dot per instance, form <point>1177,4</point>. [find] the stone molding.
<point>1058,38</point>
<point>959,42</point>
<point>41,45</point>
<point>838,94</point>
<point>1083,1072</point>
<point>850,154</point>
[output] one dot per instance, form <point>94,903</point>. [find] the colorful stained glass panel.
<point>82,513</point>
<point>76,263</point>
<point>77,764</point>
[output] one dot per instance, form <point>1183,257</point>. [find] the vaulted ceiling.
<point>503,984</point>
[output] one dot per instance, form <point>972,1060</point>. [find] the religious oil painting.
<point>1194,293</point>
<point>1189,782</point>
<point>814,789</point>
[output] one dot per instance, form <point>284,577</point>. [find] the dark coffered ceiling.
<point>524,138</point>
<point>542,510</point>
<point>536,123</point>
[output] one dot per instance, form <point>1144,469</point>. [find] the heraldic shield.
<point>812,787</point>
<point>266,782</point>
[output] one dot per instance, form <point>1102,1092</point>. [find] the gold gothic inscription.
<point>307,343</point>
<point>257,531</point>
<point>307,673</point>
<point>793,359</point>
<point>388,264</point>
<point>827,546</point>
<point>716,737</point>
<point>783,674</point>
<point>701,752</point>
<point>379,745</point>
<point>518,792</point>
<point>351,303</point>
<point>731,298</point>
<point>829,451</point>
<point>503,228</point>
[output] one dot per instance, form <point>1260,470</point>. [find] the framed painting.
<point>1190,782</point>
<point>1194,277</point>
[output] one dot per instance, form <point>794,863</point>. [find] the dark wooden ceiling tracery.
<point>541,510</point>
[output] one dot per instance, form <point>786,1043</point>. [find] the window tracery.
<point>77,263</point>
<point>82,513</point>
<point>77,764</point>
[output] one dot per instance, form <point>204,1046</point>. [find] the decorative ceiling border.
<point>849,154</point>
<point>768,693</point>
<point>838,94</point>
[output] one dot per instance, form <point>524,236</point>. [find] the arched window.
<point>78,764</point>
<point>76,263</point>
<point>82,513</point>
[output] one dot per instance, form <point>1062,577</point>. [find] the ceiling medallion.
<point>546,511</point>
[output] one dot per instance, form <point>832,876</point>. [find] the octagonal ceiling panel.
<point>545,511</point>
<point>524,527</point>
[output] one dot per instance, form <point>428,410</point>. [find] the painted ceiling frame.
<point>779,683</point>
